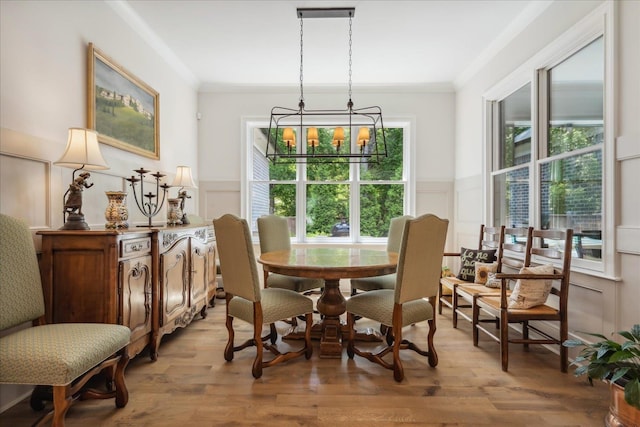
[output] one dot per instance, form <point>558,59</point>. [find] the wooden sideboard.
<point>151,280</point>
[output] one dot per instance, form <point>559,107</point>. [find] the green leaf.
<point>632,393</point>
<point>620,355</point>
<point>619,374</point>
<point>573,343</point>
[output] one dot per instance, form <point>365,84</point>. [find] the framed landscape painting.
<point>120,107</point>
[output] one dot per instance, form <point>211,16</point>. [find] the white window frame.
<point>600,22</point>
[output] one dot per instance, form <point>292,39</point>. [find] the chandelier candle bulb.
<point>289,138</point>
<point>312,137</point>
<point>338,137</point>
<point>363,137</point>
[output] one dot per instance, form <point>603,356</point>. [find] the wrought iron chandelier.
<point>358,133</point>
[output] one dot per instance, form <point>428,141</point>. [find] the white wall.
<point>221,138</point>
<point>43,48</point>
<point>600,304</point>
<point>43,92</point>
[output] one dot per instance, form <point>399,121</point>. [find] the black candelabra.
<point>149,208</point>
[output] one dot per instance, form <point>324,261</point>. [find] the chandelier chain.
<point>301,61</point>
<point>350,32</point>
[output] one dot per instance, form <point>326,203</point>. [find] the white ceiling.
<point>220,44</point>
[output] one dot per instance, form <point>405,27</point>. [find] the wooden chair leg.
<point>439,297</point>
<point>475,320</point>
<point>525,334</point>
<point>398,370</point>
<point>257,338</point>
<point>307,336</point>
<point>433,356</point>
<point>228,351</point>
<point>454,304</point>
<point>61,403</point>
<point>122,393</point>
<point>352,335</point>
<point>504,340</point>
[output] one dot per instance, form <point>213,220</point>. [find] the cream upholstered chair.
<point>394,239</point>
<point>553,254</point>
<point>248,302</point>
<point>59,356</point>
<point>411,301</point>
<point>273,231</point>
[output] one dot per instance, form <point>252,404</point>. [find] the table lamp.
<point>183,180</point>
<point>82,153</point>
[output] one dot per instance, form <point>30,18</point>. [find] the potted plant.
<point>619,364</point>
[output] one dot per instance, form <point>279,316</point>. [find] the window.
<point>554,179</point>
<point>330,201</point>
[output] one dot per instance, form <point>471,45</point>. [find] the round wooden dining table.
<point>330,264</point>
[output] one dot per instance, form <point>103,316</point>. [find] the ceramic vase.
<point>116,213</point>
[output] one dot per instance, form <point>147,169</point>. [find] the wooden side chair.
<point>59,358</point>
<point>394,239</point>
<point>513,254</point>
<point>247,301</point>
<point>413,298</point>
<point>490,239</point>
<point>273,232</point>
<point>552,255</point>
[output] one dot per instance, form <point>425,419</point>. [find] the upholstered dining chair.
<point>273,232</point>
<point>394,239</point>
<point>247,301</point>
<point>58,357</point>
<point>551,253</point>
<point>413,298</point>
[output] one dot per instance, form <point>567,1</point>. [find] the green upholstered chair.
<point>247,301</point>
<point>273,231</point>
<point>58,357</point>
<point>411,301</point>
<point>394,239</point>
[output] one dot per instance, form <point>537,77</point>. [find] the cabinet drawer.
<point>135,246</point>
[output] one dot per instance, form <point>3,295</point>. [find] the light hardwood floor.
<point>191,384</point>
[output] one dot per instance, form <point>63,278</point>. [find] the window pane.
<point>328,210</point>
<point>278,199</point>
<point>515,128</point>
<point>378,204</point>
<point>571,197</point>
<point>390,167</point>
<point>576,100</point>
<point>263,168</point>
<point>317,170</point>
<point>511,198</point>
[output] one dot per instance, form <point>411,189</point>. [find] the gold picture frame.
<point>124,110</point>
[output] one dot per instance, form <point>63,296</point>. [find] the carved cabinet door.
<point>174,283</point>
<point>199,267</point>
<point>135,284</point>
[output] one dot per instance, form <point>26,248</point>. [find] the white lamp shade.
<point>82,151</point>
<point>183,178</point>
